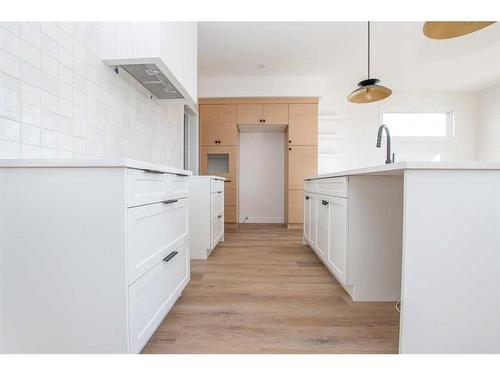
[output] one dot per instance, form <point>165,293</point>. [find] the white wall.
<point>358,124</point>
<point>71,105</point>
<point>488,142</point>
<point>261,177</point>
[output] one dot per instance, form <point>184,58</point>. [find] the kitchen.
<point>201,187</point>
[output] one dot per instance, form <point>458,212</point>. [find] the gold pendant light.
<point>369,90</point>
<point>452,29</point>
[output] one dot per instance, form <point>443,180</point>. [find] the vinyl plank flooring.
<point>262,291</point>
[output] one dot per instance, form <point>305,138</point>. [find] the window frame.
<point>450,120</point>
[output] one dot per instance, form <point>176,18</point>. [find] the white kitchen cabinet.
<point>93,253</point>
<point>206,210</point>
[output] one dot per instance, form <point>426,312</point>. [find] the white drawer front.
<point>216,185</point>
<point>153,295</point>
<point>217,229</point>
<point>145,187</point>
<point>217,204</point>
<point>153,231</point>
<point>336,186</point>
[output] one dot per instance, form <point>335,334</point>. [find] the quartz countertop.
<point>91,163</point>
<point>399,167</point>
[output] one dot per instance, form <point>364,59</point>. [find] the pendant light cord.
<point>368,49</point>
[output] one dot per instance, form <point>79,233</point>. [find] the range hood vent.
<point>151,77</point>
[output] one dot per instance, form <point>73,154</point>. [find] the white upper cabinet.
<point>171,46</point>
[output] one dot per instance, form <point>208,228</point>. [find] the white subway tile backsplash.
<point>9,64</point>
<point>65,74</point>
<point>30,34</point>
<point>72,105</point>
<point>49,138</point>
<point>49,83</point>
<point>13,27</point>
<point>29,53</point>
<point>49,64</point>
<point>65,142</point>
<point>10,130</point>
<point>65,57</point>
<point>49,46</point>
<point>30,74</point>
<point>30,151</point>
<point>64,108</point>
<point>10,149</point>
<point>48,119</point>
<point>65,125</point>
<point>9,42</point>
<point>49,102</point>
<point>30,94</point>
<point>30,114</point>
<point>50,29</point>
<point>30,135</point>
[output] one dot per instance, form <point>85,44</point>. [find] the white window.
<point>419,124</point>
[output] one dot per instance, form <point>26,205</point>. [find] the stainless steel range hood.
<point>151,77</point>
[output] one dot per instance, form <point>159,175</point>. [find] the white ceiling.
<point>402,57</point>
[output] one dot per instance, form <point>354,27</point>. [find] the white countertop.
<point>90,163</point>
<point>213,177</point>
<point>398,168</point>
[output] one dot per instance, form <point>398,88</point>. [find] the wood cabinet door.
<point>275,114</point>
<point>227,129</point>
<point>302,162</point>
<point>303,124</point>
<point>337,249</point>
<point>249,114</point>
<point>208,124</point>
<point>295,206</point>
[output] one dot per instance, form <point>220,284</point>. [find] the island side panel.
<point>62,260</point>
<point>451,262</point>
<point>375,237</point>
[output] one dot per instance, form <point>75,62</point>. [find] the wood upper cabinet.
<point>249,114</point>
<point>218,125</point>
<point>303,124</point>
<point>260,114</point>
<point>302,162</point>
<point>227,130</point>
<point>208,124</point>
<point>275,114</point>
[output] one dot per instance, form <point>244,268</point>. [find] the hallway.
<point>262,291</point>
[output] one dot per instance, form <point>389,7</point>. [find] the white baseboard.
<point>262,220</point>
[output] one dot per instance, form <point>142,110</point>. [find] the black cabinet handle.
<point>289,141</point>
<point>218,217</point>
<point>219,192</point>
<point>170,256</point>
<point>289,149</point>
<point>307,197</point>
<point>170,201</point>
<point>264,120</point>
<point>227,181</point>
<point>324,203</point>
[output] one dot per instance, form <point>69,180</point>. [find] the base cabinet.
<point>326,231</point>
<point>206,212</point>
<point>95,262</point>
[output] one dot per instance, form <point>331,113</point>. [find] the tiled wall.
<point>71,105</point>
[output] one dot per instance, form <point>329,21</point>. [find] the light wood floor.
<point>262,291</point>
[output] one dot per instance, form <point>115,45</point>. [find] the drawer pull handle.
<point>170,256</point>
<point>325,203</point>
<point>221,191</point>
<point>171,201</point>
<point>227,181</point>
<point>307,197</point>
<point>153,171</point>
<point>218,217</point>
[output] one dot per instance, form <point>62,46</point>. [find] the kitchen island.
<point>424,233</point>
